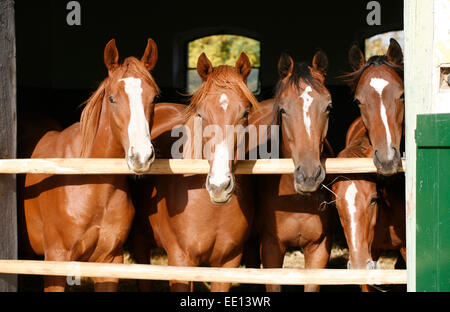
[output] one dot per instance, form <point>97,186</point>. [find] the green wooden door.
<point>433,203</point>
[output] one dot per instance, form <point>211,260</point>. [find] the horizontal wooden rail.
<point>173,166</point>
<point>201,274</point>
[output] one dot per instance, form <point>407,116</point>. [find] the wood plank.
<point>173,166</point>
<point>8,217</point>
<point>418,59</point>
<point>202,274</point>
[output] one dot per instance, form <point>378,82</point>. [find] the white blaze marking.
<point>307,100</point>
<point>224,101</point>
<point>379,84</point>
<point>220,167</point>
<point>138,128</point>
<point>350,196</point>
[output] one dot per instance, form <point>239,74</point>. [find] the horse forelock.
<point>302,73</point>
<point>354,77</point>
<point>222,77</point>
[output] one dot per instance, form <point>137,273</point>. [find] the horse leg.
<point>224,287</point>
<point>179,258</point>
<point>107,284</point>
<point>55,283</point>
<point>316,257</point>
<point>142,252</point>
<point>272,256</point>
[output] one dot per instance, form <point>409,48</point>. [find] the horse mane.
<point>353,78</point>
<point>223,76</point>
<point>90,116</point>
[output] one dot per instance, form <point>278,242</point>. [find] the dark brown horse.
<point>288,206</point>
<point>198,219</point>
<point>371,210</point>
<point>378,85</point>
<point>87,218</point>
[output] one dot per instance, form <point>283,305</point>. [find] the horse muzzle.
<point>386,165</point>
<point>140,162</point>
<point>305,182</point>
<point>220,192</point>
<point>370,265</point>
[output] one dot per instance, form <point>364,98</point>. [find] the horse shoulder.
<point>59,144</point>
<point>166,117</point>
<point>355,131</point>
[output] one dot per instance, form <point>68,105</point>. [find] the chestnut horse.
<point>88,217</point>
<point>288,206</point>
<point>378,85</point>
<point>371,210</point>
<point>194,224</point>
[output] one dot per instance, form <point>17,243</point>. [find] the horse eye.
<point>357,102</point>
<point>198,115</point>
<point>402,96</point>
<point>373,200</point>
<point>111,99</point>
<point>282,111</point>
<point>245,115</point>
<point>329,107</point>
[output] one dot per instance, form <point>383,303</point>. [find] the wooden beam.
<point>202,274</point>
<point>173,166</point>
<point>8,126</point>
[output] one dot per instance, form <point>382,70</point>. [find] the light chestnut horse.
<point>371,209</point>
<point>88,217</point>
<point>198,219</point>
<point>288,210</point>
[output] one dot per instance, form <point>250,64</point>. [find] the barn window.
<point>378,44</point>
<point>223,50</point>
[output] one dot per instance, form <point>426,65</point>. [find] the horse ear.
<point>356,57</point>
<point>150,54</point>
<point>320,62</point>
<point>243,66</point>
<point>111,55</point>
<point>204,66</point>
<point>285,65</point>
<point>394,53</point>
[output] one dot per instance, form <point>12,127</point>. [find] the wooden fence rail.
<point>201,274</point>
<point>154,272</point>
<point>173,166</point>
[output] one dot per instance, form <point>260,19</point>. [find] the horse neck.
<point>106,144</point>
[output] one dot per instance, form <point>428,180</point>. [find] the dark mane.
<point>376,60</point>
<point>301,72</point>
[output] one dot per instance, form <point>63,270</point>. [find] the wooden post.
<point>418,16</point>
<point>8,126</point>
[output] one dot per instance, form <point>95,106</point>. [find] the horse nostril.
<point>298,175</point>
<point>152,153</point>
<point>318,172</point>
<point>229,184</point>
